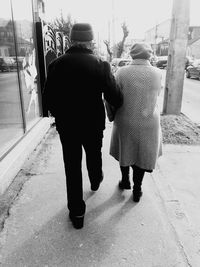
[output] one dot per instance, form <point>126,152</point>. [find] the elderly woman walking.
<point>136,135</point>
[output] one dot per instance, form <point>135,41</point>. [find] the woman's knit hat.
<point>81,32</point>
<point>141,51</point>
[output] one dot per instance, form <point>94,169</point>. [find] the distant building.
<point>158,37</point>
<point>23,37</point>
<point>193,49</point>
<point>194,32</point>
<point>6,40</point>
<point>159,33</point>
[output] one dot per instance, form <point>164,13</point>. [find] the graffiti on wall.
<point>50,44</point>
<point>55,43</point>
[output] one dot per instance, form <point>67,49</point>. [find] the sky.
<point>139,15</point>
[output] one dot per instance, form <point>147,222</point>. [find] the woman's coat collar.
<point>140,62</point>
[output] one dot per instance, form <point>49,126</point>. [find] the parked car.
<point>161,62</point>
<point>189,61</point>
<point>119,62</point>
<point>19,60</point>
<point>7,64</point>
<point>193,70</point>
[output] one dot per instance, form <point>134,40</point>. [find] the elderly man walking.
<point>75,86</point>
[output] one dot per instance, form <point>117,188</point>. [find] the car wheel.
<point>187,74</point>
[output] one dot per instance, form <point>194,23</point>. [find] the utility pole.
<point>113,22</point>
<point>176,57</point>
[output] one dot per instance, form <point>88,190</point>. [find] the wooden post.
<point>176,57</point>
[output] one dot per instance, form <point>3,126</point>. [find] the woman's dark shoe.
<point>124,185</point>
<point>137,194</point>
<point>77,220</point>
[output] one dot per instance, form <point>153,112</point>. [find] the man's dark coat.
<point>74,87</point>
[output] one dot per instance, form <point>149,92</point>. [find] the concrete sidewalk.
<point>160,231</point>
<point>177,179</point>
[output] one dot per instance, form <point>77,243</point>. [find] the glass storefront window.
<point>19,105</point>
<point>11,122</point>
<point>26,57</point>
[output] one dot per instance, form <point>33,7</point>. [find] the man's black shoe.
<point>77,220</point>
<point>95,186</point>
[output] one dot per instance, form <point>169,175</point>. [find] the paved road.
<point>191,99</point>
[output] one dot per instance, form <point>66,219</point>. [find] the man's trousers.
<point>72,144</point>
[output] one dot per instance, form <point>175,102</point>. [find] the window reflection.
<point>26,58</point>
<point>11,126</point>
<point>19,106</point>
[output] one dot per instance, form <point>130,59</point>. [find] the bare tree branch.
<point>120,45</point>
<point>110,53</point>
